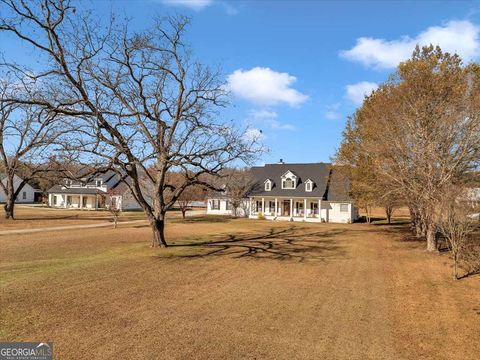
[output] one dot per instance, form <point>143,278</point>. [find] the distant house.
<point>294,192</point>
<point>93,193</point>
<point>27,195</point>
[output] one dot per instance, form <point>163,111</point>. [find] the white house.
<point>294,192</point>
<point>26,195</point>
<point>93,193</point>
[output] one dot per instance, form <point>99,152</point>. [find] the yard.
<point>240,288</point>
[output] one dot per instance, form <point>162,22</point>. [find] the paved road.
<point>84,226</point>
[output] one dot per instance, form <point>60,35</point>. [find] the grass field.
<point>237,289</point>
<point>38,217</point>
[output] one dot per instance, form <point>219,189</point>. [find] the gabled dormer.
<point>268,184</point>
<point>289,180</point>
<point>309,184</point>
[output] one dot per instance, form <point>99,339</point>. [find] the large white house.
<point>93,193</point>
<point>27,195</point>
<point>294,192</point>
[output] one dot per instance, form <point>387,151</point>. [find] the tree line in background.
<point>415,141</point>
<point>137,102</point>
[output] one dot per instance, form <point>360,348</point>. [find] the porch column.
<point>291,208</point>
<point>320,210</point>
<point>305,209</point>
<point>65,201</point>
<point>263,206</point>
<point>276,207</point>
<point>251,207</point>
<point>81,201</point>
<point>96,201</point>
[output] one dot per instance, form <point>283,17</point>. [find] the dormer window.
<point>268,185</point>
<point>289,180</point>
<point>68,182</point>
<point>308,185</point>
<point>288,184</point>
<point>98,183</point>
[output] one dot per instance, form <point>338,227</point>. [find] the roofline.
<point>287,164</point>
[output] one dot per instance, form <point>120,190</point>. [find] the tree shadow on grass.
<point>291,243</point>
<point>203,219</point>
<point>401,231</point>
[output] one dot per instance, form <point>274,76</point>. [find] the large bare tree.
<point>28,134</point>
<point>147,106</point>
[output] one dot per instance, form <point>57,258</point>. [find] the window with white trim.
<point>309,185</point>
<point>268,185</point>
<point>98,183</point>
<point>288,183</point>
<point>343,207</point>
<point>215,204</point>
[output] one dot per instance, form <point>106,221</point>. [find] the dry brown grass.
<point>39,217</point>
<point>233,289</point>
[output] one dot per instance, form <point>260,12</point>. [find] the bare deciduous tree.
<point>148,108</point>
<point>238,182</point>
<point>457,224</point>
<point>190,194</point>
<point>27,136</point>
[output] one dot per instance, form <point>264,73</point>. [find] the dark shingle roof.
<point>58,189</point>
<point>327,184</point>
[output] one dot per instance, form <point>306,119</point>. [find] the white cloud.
<point>332,111</point>
<point>332,115</point>
<point>461,37</point>
<point>269,118</point>
<point>264,86</point>
<point>192,4</point>
<point>253,134</point>
<point>357,92</point>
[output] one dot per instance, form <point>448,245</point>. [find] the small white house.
<point>26,195</point>
<point>103,190</point>
<point>221,205</point>
<point>294,192</point>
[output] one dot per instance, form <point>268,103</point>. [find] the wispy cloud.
<point>196,5</point>
<point>332,112</point>
<point>253,134</point>
<point>269,118</point>
<point>461,37</point>
<point>264,86</point>
<point>357,92</point>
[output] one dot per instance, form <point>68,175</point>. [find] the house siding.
<point>27,190</point>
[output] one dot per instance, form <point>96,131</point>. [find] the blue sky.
<point>296,69</point>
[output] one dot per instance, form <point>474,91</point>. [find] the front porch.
<point>74,201</point>
<point>288,209</point>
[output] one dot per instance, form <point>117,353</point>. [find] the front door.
<point>286,207</point>
<point>84,201</point>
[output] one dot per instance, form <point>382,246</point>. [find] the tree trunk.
<point>389,212</point>
<point>158,228</point>
<point>418,229</point>
<point>184,210</point>
<point>9,207</point>
<point>431,238</point>
<point>455,265</point>
<point>10,199</point>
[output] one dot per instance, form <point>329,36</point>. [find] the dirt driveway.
<point>237,289</point>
